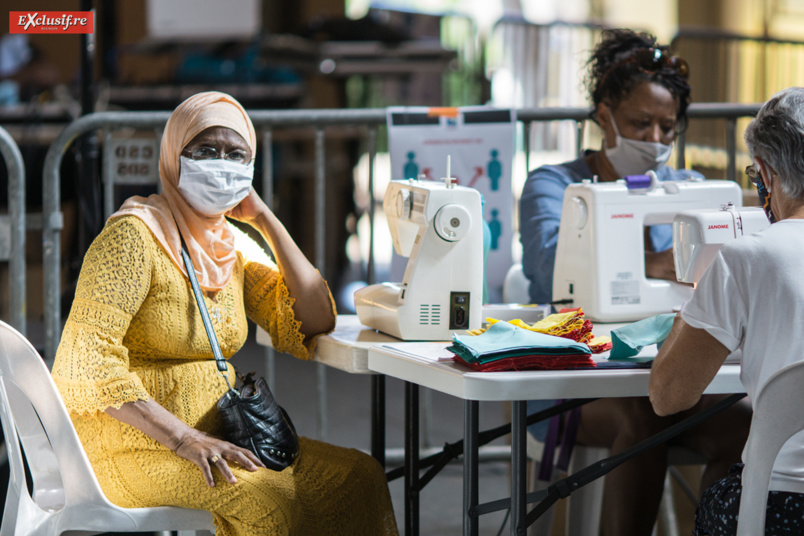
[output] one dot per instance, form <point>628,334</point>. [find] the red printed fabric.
<point>530,362</point>
<point>599,348</point>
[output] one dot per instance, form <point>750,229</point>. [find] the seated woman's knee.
<point>639,421</point>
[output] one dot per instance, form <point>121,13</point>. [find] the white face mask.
<point>632,157</point>
<point>214,186</point>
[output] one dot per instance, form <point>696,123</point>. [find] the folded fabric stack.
<point>505,346</point>
<point>568,323</point>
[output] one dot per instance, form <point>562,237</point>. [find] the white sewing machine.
<point>438,225</point>
<point>699,234</point>
<point>600,256</point>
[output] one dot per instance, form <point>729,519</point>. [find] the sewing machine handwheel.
<point>579,213</point>
<point>404,203</point>
<point>452,222</point>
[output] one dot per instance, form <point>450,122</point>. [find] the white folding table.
<point>418,368</point>
<point>346,349</point>
<point>356,349</point>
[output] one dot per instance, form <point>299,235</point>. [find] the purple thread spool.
<point>638,182</point>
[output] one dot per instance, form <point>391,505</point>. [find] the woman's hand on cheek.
<point>248,209</point>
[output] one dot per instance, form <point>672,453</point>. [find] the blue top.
<point>540,215</point>
<point>539,219</point>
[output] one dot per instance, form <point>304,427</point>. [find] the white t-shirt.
<point>750,299</point>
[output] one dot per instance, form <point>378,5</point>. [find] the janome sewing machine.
<point>699,234</point>
<point>438,226</point>
<point>600,256</point>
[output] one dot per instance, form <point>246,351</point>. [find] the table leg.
<point>411,459</point>
<point>470,470</point>
<point>378,418</point>
<point>518,467</point>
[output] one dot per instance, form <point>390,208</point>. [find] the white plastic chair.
<point>35,418</point>
<point>584,506</point>
<point>516,285</point>
<point>777,417</point>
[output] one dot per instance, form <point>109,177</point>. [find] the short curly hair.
<point>611,78</point>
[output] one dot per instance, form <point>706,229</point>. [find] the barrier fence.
<point>266,122</point>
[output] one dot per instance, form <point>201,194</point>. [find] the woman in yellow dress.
<point>135,366</point>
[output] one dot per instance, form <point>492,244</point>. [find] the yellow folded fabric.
<point>570,324</point>
<point>552,325</point>
<point>598,342</point>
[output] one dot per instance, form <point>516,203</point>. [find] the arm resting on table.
<point>687,362</point>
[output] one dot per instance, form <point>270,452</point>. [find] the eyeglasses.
<point>753,174</point>
<point>652,60</point>
<point>211,153</point>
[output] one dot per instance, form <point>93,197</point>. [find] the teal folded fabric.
<point>506,340</point>
<point>629,340</point>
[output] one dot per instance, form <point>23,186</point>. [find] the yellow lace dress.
<point>134,331</point>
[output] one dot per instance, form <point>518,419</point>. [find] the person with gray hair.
<point>752,284</point>
<point>776,136</point>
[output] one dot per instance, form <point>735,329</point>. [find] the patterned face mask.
<point>764,195</point>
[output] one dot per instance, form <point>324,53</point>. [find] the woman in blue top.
<point>640,96</point>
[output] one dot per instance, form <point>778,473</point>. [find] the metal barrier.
<point>733,68</point>
<point>16,239</point>
<point>736,67</point>
<point>267,120</point>
<point>538,65</point>
<point>264,121</point>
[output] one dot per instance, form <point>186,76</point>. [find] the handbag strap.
<point>223,370</point>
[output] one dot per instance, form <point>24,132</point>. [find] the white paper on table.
<point>432,352</point>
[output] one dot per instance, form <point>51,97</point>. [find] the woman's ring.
<point>214,459</point>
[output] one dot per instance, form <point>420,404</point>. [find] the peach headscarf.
<point>209,239</point>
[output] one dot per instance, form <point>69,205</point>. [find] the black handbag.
<point>252,418</point>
